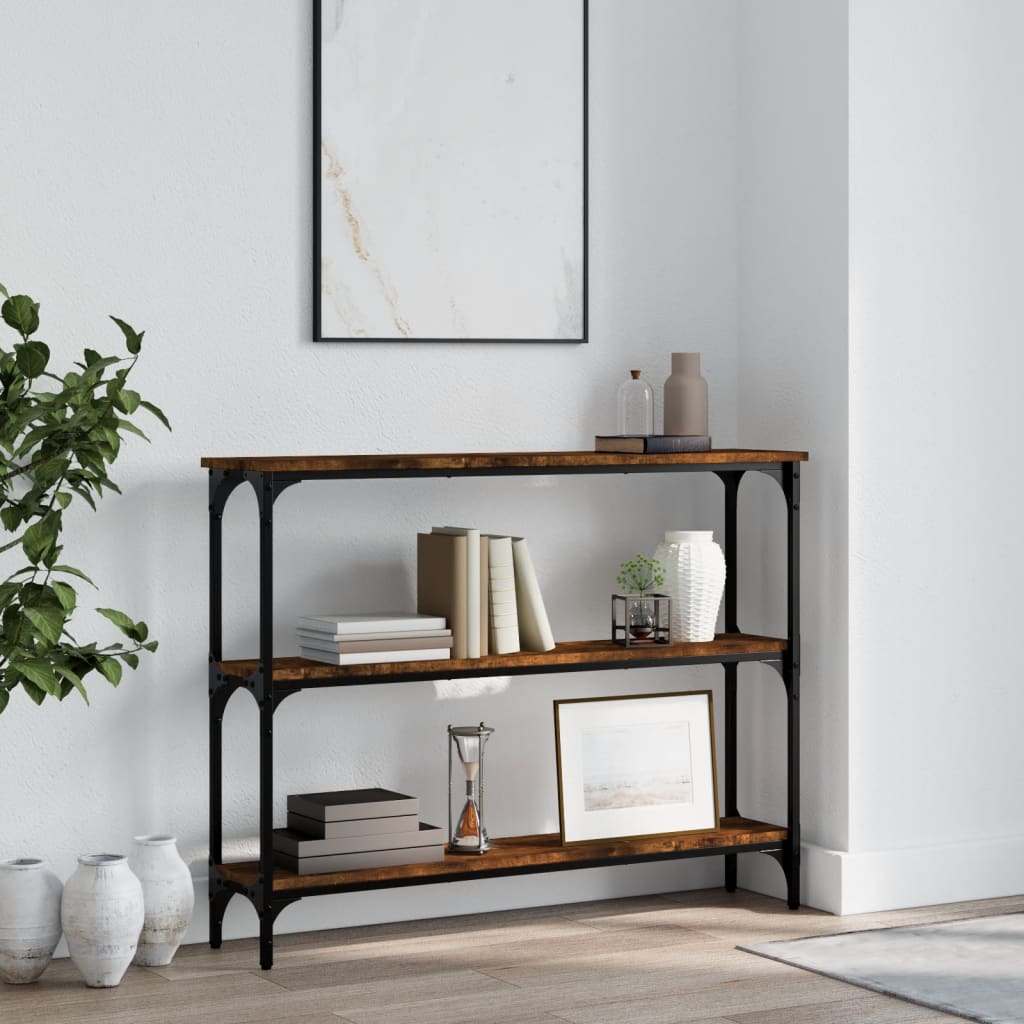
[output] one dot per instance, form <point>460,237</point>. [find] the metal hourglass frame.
<point>474,786</point>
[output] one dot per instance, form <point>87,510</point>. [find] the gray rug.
<point>973,968</point>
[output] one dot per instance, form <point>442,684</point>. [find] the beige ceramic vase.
<point>686,396</point>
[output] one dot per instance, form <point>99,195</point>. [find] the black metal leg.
<point>218,905</point>
<point>732,484</point>
<point>791,677</point>
<point>267,940</point>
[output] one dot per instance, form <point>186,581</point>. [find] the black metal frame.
<point>268,695</point>
<point>317,210</point>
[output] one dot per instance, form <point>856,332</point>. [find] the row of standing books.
<point>485,586</point>
<point>355,829</point>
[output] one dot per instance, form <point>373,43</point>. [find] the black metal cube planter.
<point>639,620</point>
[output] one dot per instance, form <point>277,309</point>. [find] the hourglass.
<point>469,835</point>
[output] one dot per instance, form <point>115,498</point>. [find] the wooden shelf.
<point>493,462</point>
<point>575,655</point>
<point>524,855</point>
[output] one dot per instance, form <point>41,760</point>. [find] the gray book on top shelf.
<point>354,827</point>
<point>360,861</point>
<point>295,844</point>
<point>346,804</point>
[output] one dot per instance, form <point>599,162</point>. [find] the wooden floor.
<point>647,960</point>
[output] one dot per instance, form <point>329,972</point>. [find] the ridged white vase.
<point>29,918</point>
<point>695,580</point>
<point>167,896</point>
<point>102,916</point>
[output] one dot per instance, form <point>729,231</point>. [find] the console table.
<point>270,680</point>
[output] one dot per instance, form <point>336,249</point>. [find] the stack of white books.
<point>382,636</point>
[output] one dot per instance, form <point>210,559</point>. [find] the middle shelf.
<point>570,656</point>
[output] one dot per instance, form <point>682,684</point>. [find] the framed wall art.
<point>636,766</point>
<point>450,170</point>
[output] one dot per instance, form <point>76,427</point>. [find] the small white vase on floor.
<point>102,916</point>
<point>29,918</point>
<point>695,580</point>
<point>167,895</point>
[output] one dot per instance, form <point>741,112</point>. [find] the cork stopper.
<point>635,374</point>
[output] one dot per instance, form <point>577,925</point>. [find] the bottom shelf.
<point>524,855</point>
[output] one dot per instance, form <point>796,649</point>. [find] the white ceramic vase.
<point>167,895</point>
<point>695,580</point>
<point>102,916</point>
<point>29,918</point>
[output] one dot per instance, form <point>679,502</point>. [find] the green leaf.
<point>40,673</point>
<point>127,401</point>
<point>131,428</point>
<point>41,538</point>
<point>70,570</point>
<point>49,472</point>
<point>158,413</point>
<point>8,591</point>
<point>21,313</point>
<point>11,516</point>
<point>34,691</point>
<point>63,498</point>
<point>91,356</point>
<point>131,659</point>
<point>65,594</point>
<point>4,292</point>
<point>5,694</point>
<point>32,358</point>
<point>48,622</point>
<point>72,680</point>
<point>133,338</point>
<point>151,646</point>
<point>111,669</point>
<point>119,619</point>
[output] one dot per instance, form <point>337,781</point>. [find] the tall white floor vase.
<point>102,916</point>
<point>695,580</point>
<point>29,918</point>
<point>167,895</point>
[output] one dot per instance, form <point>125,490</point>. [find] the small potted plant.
<point>639,615</point>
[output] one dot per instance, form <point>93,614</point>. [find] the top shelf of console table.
<point>307,467</point>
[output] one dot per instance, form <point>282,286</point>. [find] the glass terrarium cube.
<point>640,619</point>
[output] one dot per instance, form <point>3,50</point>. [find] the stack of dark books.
<point>354,829</point>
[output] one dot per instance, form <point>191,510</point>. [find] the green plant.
<point>58,435</point>
<point>640,574</point>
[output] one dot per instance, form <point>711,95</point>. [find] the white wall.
<point>936,219</point>
<point>791,392</point>
<point>155,165</point>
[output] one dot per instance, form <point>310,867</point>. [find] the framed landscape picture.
<point>630,767</point>
<point>450,170</point>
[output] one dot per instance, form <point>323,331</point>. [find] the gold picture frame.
<point>636,766</point>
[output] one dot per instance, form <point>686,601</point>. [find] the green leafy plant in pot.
<point>58,436</point>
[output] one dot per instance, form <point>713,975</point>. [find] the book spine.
<point>298,845</point>
<point>473,593</point>
<point>534,628</point>
<point>373,657</point>
<point>504,623</point>
<point>441,583</point>
<point>485,589</point>
<point>347,812</point>
<point>416,643</point>
<point>664,444</point>
<point>354,827</point>
<point>360,861</point>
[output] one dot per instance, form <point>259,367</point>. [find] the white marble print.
<point>452,169</point>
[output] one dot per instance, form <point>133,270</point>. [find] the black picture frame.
<point>317,236</point>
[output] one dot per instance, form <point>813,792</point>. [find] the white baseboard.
<point>840,882</point>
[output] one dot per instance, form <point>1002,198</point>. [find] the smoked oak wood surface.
<point>524,852</point>
<point>598,653</point>
<point>476,461</point>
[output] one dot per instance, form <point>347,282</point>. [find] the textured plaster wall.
<point>936,217</point>
<point>792,387</point>
<point>155,165</point>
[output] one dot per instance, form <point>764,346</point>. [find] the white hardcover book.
<point>534,628</point>
<point>391,634</point>
<point>372,657</point>
<point>472,584</point>
<point>412,643</point>
<point>377,622</point>
<point>504,623</point>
